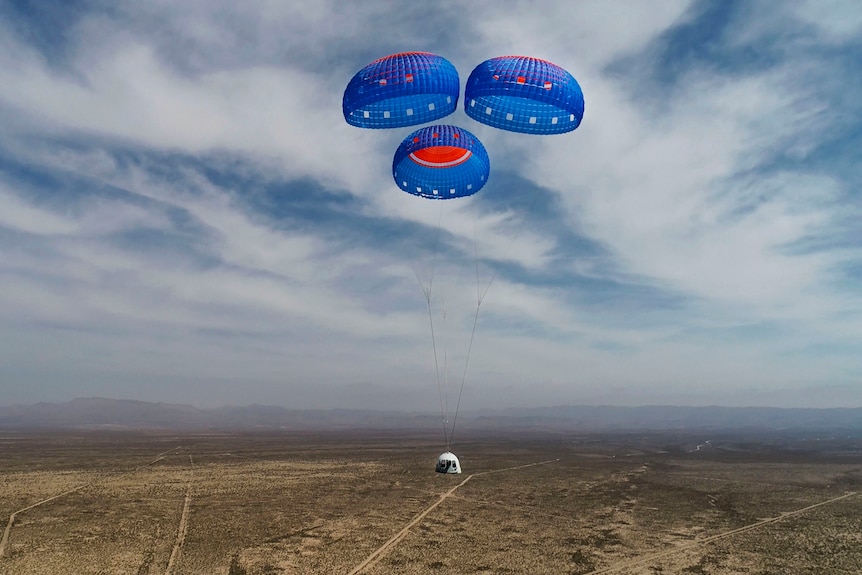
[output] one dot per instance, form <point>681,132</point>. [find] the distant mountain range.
<point>129,414</point>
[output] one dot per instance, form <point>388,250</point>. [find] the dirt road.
<point>8,531</point>
<point>649,558</point>
<point>184,521</point>
<point>381,551</point>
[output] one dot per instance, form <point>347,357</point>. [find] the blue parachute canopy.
<point>523,94</point>
<point>401,90</point>
<point>441,163</point>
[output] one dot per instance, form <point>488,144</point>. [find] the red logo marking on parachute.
<point>522,80</point>
<point>408,78</point>
<point>441,156</point>
<point>548,85</point>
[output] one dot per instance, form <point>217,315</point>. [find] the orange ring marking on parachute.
<point>441,156</point>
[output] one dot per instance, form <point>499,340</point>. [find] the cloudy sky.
<point>186,217</point>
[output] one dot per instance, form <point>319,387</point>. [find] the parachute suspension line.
<point>437,369</point>
<point>464,375</point>
<point>427,291</point>
<point>480,296</point>
<point>445,377</point>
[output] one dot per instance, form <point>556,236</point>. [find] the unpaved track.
<point>184,521</point>
<point>12,517</point>
<point>6,534</point>
<point>636,562</point>
<point>381,551</point>
<point>516,467</point>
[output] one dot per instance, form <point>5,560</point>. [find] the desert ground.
<point>351,502</point>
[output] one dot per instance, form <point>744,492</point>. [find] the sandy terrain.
<point>254,504</point>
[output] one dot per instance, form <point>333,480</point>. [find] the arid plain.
<point>104,502</point>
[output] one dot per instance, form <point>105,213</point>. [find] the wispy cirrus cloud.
<point>181,199</point>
